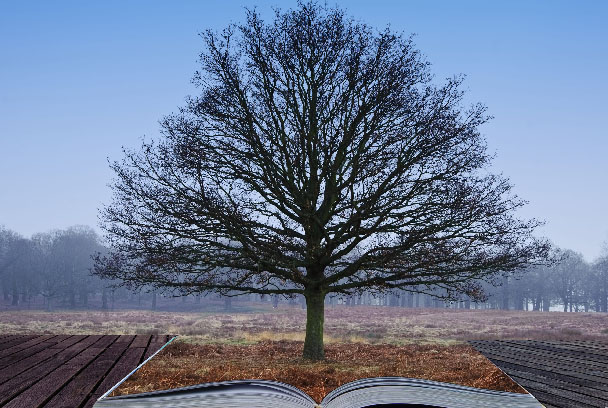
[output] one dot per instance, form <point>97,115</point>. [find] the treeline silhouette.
<point>52,270</point>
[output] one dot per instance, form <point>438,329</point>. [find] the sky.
<point>78,80</point>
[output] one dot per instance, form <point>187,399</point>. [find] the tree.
<point>566,277</point>
<point>72,249</point>
<point>16,266</point>
<point>49,278</point>
<point>62,263</point>
<point>318,158</point>
<point>8,257</point>
<point>600,281</point>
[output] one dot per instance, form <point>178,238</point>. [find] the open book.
<point>370,392</point>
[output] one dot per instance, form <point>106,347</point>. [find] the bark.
<point>15,296</point>
<point>104,299</point>
<point>227,303</point>
<point>315,317</point>
<point>505,294</point>
<point>72,299</point>
<point>537,302</point>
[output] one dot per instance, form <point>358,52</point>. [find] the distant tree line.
<point>54,268</point>
<point>569,284</point>
<point>53,265</point>
<point>572,284</point>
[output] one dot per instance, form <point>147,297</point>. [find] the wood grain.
<point>559,374</point>
<point>68,371</point>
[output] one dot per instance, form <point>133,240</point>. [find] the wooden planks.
<point>68,371</point>
<point>559,374</point>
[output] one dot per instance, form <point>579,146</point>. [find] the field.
<point>361,324</point>
<point>258,341</point>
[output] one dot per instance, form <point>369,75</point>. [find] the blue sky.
<point>78,80</point>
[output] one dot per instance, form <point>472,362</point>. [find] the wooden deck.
<point>67,371</point>
<point>559,374</point>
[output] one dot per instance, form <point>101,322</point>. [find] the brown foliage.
<point>182,364</point>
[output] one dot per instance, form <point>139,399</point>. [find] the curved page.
<point>396,390</point>
<point>228,394</point>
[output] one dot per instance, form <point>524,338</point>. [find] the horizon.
<point>81,80</point>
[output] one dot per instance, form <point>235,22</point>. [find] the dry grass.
<point>182,364</point>
<point>367,325</point>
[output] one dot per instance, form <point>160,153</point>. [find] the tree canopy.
<point>319,157</point>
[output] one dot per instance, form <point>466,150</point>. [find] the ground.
<point>261,342</point>
<point>361,324</point>
<point>183,364</point>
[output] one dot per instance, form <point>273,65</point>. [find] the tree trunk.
<point>227,303</point>
<point>104,299</point>
<point>315,316</point>
<point>15,300</point>
<point>154,300</point>
<point>84,298</point>
<point>72,300</point>
<point>505,293</point>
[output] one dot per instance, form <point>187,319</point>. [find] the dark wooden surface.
<point>559,374</point>
<point>67,371</point>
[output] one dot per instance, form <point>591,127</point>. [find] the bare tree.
<point>50,277</point>
<point>7,258</point>
<point>64,261</point>
<point>600,281</point>
<point>566,278</point>
<point>319,158</point>
<point>16,266</point>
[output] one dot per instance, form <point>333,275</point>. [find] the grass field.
<point>262,342</point>
<point>369,325</point>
